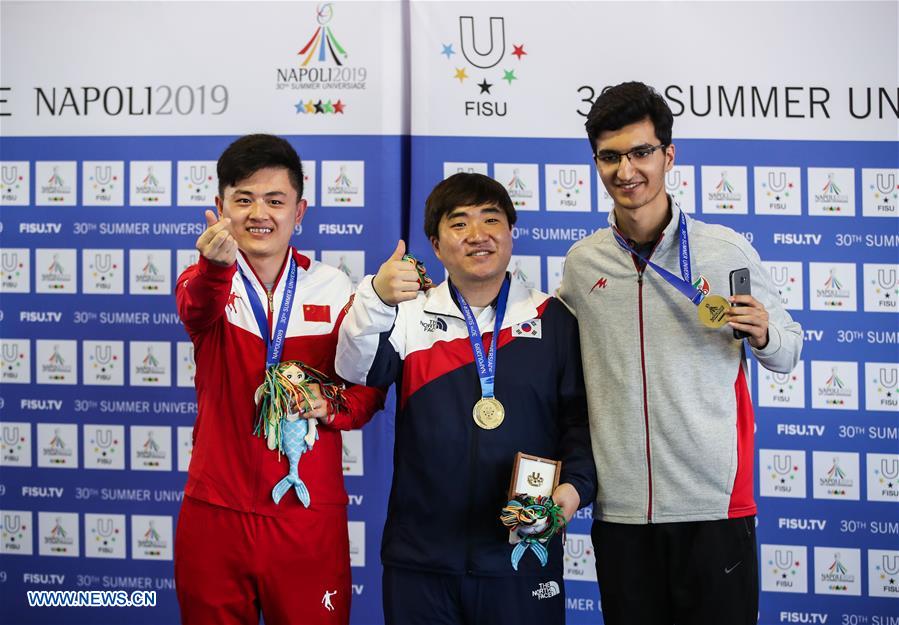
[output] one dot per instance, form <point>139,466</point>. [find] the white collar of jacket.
<point>669,234</point>
<point>521,306</point>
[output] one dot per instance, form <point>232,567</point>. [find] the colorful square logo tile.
<point>15,182</point>
<point>883,477</point>
<point>352,452</point>
<point>186,367</point>
<point>55,270</point>
<point>105,536</point>
<point>104,446</point>
<point>56,183</point>
<point>835,475</point>
<point>568,188</point>
<point>15,358</point>
<point>357,543</point>
<point>724,190</point>
<point>450,169</point>
<point>310,182</point>
<point>57,445</point>
<point>350,262</point>
<point>832,286</point>
<point>197,183</point>
<point>151,183</point>
<point>784,568</point>
<point>15,444</point>
<point>522,182</point>
<point>58,534</point>
<point>343,183</point>
<point>580,559</point>
<point>526,271</point>
<point>680,183</point>
<point>838,571</point>
<point>782,473</point>
<point>185,436</point>
<point>881,287</point>
<point>184,259</point>
<point>151,448</point>
<point>883,573</point>
<point>831,191</point>
<point>787,278</point>
<point>150,363</point>
<point>57,361</point>
<point>834,385</point>
<point>150,272</point>
<point>103,272</point>
<point>16,533</point>
<point>151,537</point>
<point>882,386</point>
<point>880,192</point>
<point>782,390</point>
<point>778,190</point>
<point>15,270</point>
<point>103,363</point>
<point>103,183</point>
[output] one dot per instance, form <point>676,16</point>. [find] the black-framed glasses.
<point>608,158</point>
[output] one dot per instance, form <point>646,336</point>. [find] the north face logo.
<point>546,590</point>
<point>600,284</point>
<point>433,325</point>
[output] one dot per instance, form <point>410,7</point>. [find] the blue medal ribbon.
<point>486,364</point>
<point>274,343</point>
<point>685,284</point>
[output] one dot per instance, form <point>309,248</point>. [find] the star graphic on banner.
<point>485,86</point>
<point>300,107</point>
<point>310,107</point>
<point>318,107</point>
<point>338,107</point>
<point>509,74</point>
<point>518,51</point>
<point>448,49</point>
<point>461,75</point>
<point>329,108</point>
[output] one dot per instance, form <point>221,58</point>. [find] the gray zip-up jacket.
<point>671,420</point>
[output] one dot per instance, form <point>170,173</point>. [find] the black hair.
<point>628,103</point>
<point>465,189</point>
<point>250,153</point>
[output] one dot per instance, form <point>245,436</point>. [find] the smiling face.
<point>474,243</point>
<point>634,185</point>
<point>263,208</point>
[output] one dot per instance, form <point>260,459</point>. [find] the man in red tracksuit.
<point>237,552</point>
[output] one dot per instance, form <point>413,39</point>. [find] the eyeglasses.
<point>608,158</point>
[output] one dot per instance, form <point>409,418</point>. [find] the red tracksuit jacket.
<point>230,466</point>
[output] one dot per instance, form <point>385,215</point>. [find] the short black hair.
<point>250,153</point>
<point>628,103</point>
<point>465,189</point>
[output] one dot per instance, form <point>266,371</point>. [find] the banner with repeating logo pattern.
<point>785,127</point>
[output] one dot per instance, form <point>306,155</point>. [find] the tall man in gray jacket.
<point>671,417</point>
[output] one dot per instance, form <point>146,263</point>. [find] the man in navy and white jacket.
<point>446,555</point>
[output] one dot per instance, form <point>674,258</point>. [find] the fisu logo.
<point>105,527</point>
<point>103,354</point>
<point>10,261</point>
<point>777,181</point>
<point>10,174</point>
<point>11,434</point>
<point>104,438</point>
<point>12,523</point>
<point>103,262</point>
<point>886,278</point>
<point>673,180</point>
<point>198,174</point>
<point>890,564</point>
<point>470,50</point>
<point>567,178</point>
<point>885,183</point>
<point>103,174</point>
<point>10,353</point>
<point>888,377</point>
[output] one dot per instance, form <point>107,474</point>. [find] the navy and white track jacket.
<point>450,477</point>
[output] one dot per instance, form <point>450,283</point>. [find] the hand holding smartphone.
<point>740,285</point>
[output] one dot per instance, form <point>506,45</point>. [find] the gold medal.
<point>712,311</point>
<point>488,413</point>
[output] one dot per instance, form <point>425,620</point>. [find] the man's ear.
<point>669,157</point>
<point>435,245</point>
<point>302,205</point>
<point>219,206</point>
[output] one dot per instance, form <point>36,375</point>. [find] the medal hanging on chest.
<point>488,412</point>
<point>711,309</point>
<point>286,391</point>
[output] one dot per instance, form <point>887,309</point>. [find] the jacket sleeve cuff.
<point>773,346</point>
<point>214,270</point>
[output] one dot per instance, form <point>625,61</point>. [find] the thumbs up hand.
<point>216,243</point>
<point>397,279</point>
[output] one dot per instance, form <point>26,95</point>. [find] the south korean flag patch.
<point>530,329</point>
